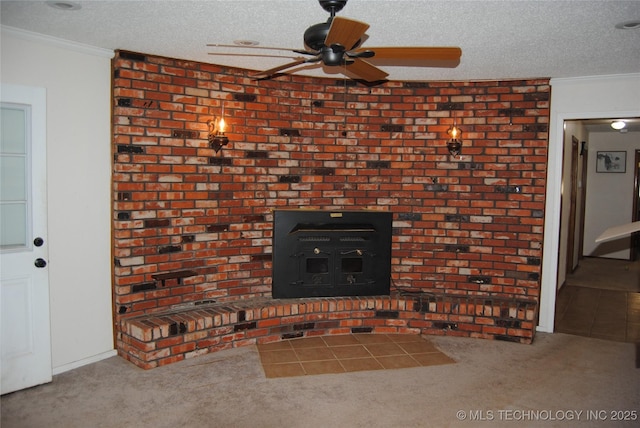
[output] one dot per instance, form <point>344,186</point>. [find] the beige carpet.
<point>348,353</point>
<point>228,389</point>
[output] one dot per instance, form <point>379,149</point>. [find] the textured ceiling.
<point>499,39</point>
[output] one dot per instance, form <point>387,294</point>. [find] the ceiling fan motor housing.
<point>315,35</point>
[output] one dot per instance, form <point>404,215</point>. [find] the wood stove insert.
<point>331,253</point>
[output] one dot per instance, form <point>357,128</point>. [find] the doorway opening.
<point>599,286</point>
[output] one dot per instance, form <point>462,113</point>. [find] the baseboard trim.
<point>84,362</point>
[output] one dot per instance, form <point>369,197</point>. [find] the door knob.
<point>40,263</point>
<point>38,242</point>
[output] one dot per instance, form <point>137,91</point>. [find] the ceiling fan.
<point>337,43</point>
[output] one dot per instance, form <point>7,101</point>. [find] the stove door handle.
<point>358,252</point>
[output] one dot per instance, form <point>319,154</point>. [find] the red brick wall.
<point>190,224</point>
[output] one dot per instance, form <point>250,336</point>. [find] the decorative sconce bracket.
<point>454,146</point>
<point>217,141</point>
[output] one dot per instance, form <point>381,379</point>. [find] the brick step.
<point>162,338</point>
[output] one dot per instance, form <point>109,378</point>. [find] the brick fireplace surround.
<point>192,228</point>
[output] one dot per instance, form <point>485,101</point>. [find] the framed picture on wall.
<point>611,162</point>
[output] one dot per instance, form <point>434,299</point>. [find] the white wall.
<point>576,98</point>
<point>610,196</point>
<point>78,85</point>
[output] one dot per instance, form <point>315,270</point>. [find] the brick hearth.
<point>154,340</point>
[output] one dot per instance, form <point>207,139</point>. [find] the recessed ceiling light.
<point>246,42</point>
<point>63,5</point>
<point>628,25</point>
<point>618,125</point>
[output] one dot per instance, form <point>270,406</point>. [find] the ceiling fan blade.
<point>300,51</point>
<point>361,69</point>
<point>346,32</point>
<point>415,56</point>
<point>270,72</point>
<point>251,55</point>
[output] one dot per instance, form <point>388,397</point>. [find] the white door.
<point>25,344</point>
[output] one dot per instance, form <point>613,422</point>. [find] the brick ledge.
<point>158,339</point>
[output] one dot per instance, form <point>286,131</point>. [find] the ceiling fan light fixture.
<point>332,56</point>
<point>618,125</point>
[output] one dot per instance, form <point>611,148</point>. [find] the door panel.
<point>17,338</point>
<point>25,345</point>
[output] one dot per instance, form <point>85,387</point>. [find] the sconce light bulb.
<point>454,132</point>
<point>221,125</point>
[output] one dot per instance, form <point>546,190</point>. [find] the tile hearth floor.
<point>348,353</point>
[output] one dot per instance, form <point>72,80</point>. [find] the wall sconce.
<point>455,143</point>
<point>217,139</point>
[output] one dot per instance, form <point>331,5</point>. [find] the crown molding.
<point>605,77</point>
<point>55,41</point>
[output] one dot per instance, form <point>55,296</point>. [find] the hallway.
<point>601,299</point>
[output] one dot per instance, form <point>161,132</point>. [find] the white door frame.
<point>549,285</point>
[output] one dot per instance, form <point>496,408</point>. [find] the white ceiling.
<point>506,39</point>
<point>499,39</point>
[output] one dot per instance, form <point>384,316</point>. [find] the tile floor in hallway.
<point>599,313</point>
<point>348,353</point>
<point>601,299</point>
